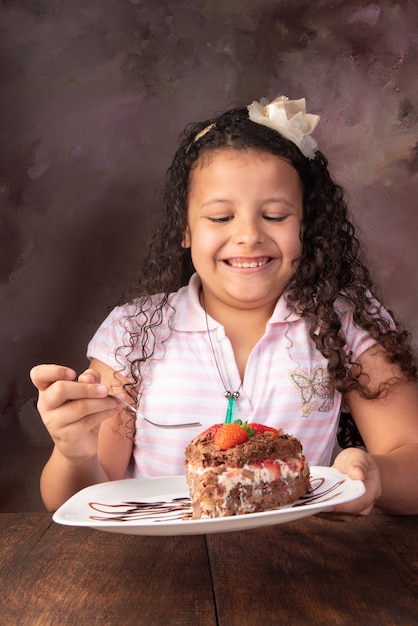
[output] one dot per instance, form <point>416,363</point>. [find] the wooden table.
<point>311,571</point>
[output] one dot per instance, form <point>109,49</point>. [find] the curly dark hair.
<point>330,267</point>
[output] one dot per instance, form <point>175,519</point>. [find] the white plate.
<point>161,506</point>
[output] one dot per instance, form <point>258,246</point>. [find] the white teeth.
<point>248,264</point>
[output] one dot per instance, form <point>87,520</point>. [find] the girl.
<point>252,298</point>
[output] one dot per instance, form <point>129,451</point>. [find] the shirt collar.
<point>190,316</point>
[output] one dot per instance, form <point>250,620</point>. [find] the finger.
<point>357,471</point>
<point>353,462</point>
<point>43,376</point>
<point>62,392</point>
<point>85,414</point>
<point>90,376</point>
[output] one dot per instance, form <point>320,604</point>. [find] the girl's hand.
<point>72,410</point>
<point>359,465</point>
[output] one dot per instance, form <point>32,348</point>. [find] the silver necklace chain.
<point>228,394</point>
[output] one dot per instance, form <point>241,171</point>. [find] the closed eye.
<point>220,220</point>
<point>275,218</point>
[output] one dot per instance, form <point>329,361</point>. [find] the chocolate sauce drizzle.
<point>181,508</point>
<point>164,511</point>
<point>319,496</point>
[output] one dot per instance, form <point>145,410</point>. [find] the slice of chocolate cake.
<point>233,469</point>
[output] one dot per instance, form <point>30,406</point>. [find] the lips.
<point>247,263</point>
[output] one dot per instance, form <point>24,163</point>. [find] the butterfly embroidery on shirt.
<point>313,389</point>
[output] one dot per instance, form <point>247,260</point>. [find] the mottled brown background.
<point>93,97</point>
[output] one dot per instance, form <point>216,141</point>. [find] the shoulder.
<point>357,324</point>
<point>372,309</point>
<point>155,308</point>
<point>159,313</point>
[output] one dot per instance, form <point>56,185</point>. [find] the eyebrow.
<point>275,200</point>
<point>279,200</point>
<point>220,201</point>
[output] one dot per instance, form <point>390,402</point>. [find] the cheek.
<point>292,245</point>
<point>204,242</point>
<point>200,250</point>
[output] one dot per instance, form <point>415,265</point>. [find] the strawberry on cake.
<point>237,468</point>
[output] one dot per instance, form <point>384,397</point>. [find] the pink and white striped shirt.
<point>286,383</point>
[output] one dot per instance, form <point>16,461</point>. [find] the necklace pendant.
<point>231,396</point>
<point>230,408</point>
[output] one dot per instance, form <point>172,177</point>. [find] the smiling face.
<point>243,227</point>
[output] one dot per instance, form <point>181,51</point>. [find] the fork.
<point>129,406</point>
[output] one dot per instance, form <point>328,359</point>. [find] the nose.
<point>249,231</point>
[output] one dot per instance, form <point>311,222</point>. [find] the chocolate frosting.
<point>202,451</point>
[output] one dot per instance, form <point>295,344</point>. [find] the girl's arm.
<point>90,442</point>
<point>389,428</point>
